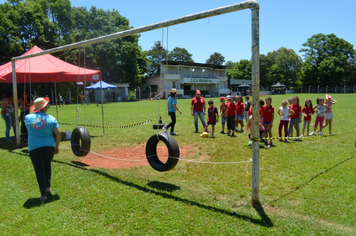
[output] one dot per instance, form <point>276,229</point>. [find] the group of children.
<point>234,111</point>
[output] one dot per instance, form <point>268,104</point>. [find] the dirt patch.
<point>122,158</point>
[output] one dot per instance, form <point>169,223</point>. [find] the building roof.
<point>192,64</point>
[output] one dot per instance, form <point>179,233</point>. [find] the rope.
<point>291,138</point>
<point>110,127</point>
<point>77,110</point>
<point>179,158</point>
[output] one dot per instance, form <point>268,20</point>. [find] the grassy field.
<point>306,188</point>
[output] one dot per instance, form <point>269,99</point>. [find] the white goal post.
<point>251,4</point>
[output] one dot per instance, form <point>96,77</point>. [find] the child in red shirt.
<point>222,114</point>
<point>231,115</point>
<point>295,118</point>
<point>308,110</point>
<point>268,117</point>
<point>240,113</point>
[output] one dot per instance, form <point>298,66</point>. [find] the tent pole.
<point>14,87</point>
<point>102,105</point>
<point>55,98</point>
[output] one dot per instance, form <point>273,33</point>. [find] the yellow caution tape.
<point>109,127</point>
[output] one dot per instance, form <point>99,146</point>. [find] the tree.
<point>286,67</point>
<point>52,23</point>
<point>328,60</point>
<point>216,59</point>
<point>120,60</point>
<point>23,25</point>
<point>180,54</point>
<point>155,56</point>
<point>241,70</point>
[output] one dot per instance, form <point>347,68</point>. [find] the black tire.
<point>82,148</point>
<point>158,126</point>
<point>173,152</point>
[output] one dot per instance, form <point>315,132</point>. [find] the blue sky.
<point>283,23</point>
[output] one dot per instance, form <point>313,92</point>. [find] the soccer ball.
<point>204,135</point>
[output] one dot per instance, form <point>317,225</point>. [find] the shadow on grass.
<point>313,178</point>
<point>163,186</point>
<point>264,221</point>
<point>10,146</point>
<point>35,202</point>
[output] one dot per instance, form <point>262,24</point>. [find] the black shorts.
<point>230,122</point>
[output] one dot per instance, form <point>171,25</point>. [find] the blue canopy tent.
<point>101,85</point>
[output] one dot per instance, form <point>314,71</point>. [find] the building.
<point>187,77</point>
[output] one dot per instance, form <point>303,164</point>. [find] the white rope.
<point>247,165</point>
<point>179,158</point>
<point>89,151</point>
<point>116,158</point>
<point>203,162</point>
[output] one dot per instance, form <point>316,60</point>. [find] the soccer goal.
<point>251,4</point>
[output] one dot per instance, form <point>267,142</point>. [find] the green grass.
<point>306,188</point>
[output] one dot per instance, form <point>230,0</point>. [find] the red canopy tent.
<point>43,69</point>
<point>46,69</point>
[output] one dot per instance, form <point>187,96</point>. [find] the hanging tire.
<point>80,141</point>
<point>173,152</point>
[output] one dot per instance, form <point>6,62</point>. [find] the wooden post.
<point>255,104</point>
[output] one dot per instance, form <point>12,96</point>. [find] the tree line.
<point>327,60</point>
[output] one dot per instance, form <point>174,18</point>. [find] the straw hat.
<point>173,90</point>
<point>39,104</point>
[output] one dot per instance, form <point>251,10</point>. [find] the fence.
<point>317,89</point>
<point>327,89</point>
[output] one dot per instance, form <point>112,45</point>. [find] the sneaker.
<point>232,135</point>
<point>196,131</point>
<point>268,147</point>
<point>285,140</point>
<point>173,133</point>
<point>164,128</point>
<point>297,139</point>
<point>271,143</point>
<point>212,135</point>
<point>208,131</point>
<point>236,130</point>
<point>312,133</point>
<point>242,130</point>
<point>320,133</point>
<point>222,132</point>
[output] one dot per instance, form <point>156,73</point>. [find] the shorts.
<point>329,116</point>
<point>223,119</point>
<point>266,123</point>
<point>246,116</point>
<point>211,123</point>
<point>230,123</point>
<point>239,117</point>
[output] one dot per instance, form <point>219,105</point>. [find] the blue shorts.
<point>223,119</point>
<point>239,117</point>
<point>266,123</point>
